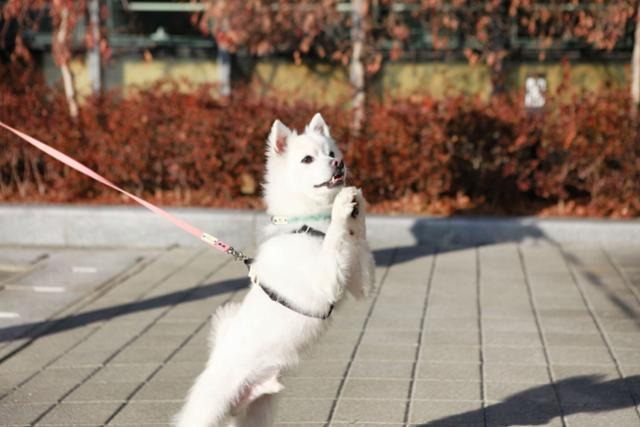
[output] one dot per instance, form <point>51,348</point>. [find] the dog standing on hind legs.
<point>315,248</point>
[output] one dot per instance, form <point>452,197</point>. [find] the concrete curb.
<point>112,226</point>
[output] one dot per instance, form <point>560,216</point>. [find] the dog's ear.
<point>278,137</point>
<point>318,125</point>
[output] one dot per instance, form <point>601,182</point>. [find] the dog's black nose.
<point>338,164</point>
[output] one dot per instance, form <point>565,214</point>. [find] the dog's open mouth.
<point>334,181</point>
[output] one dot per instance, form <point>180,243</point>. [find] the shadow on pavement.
<point>594,279</point>
<point>454,234</point>
<point>441,235</point>
<point>45,327</point>
<point>538,405</point>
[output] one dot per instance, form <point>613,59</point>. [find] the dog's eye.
<point>332,154</point>
<point>307,159</point>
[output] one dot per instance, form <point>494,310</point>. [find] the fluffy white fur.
<point>254,341</point>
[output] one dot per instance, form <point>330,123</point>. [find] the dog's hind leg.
<point>258,413</point>
<point>210,398</point>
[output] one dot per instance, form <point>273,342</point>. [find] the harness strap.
<point>304,229</point>
<point>309,230</point>
<point>283,302</point>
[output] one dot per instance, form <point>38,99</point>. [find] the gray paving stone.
<point>509,338</point>
<point>21,414</point>
<point>348,322</point>
<point>391,336</point>
<point>628,357</point>
<point>451,353</point>
<point>452,324</point>
<point>60,377</point>
<point>376,388</point>
<point>509,325</point>
<point>516,373</point>
<point>447,390</point>
<point>390,321</point>
<point>86,412</point>
<point>331,351</point>
<point>84,358</point>
<point>94,391</point>
<point>447,413</point>
<point>625,340</point>
<point>452,312</point>
<point>341,337</point>
<point>139,354</point>
<point>386,352</point>
<point>556,339</point>
<point>357,411</point>
<point>451,338</point>
<point>564,313</point>
<point>156,390</point>
<point>313,388</point>
<point>165,328</point>
<point>514,355</point>
<point>189,353</point>
<point>178,371</point>
<point>319,368</point>
<point>508,311</point>
<point>143,412</point>
<point>49,393</point>
<point>381,369</point>
<point>124,372</point>
<point>580,355</point>
<point>298,411</point>
<point>448,371</point>
<point>583,324</point>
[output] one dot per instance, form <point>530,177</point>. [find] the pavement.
<point>514,332</point>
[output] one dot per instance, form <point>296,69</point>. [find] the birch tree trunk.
<point>224,71</point>
<point>356,70</point>
<point>67,75</point>
<point>224,63</point>
<point>93,55</point>
<point>635,67</point>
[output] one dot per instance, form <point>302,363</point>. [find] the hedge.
<point>459,154</point>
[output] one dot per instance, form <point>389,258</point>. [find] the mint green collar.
<point>282,219</point>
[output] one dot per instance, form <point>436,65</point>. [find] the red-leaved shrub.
<point>580,156</point>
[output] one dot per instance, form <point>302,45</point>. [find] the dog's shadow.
<point>441,235</point>
<point>539,405</point>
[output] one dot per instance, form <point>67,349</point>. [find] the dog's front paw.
<point>348,211</point>
<point>345,205</point>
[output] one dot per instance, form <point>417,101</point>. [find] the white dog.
<point>316,248</point>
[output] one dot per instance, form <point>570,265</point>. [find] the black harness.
<point>305,229</point>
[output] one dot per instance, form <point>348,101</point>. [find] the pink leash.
<point>205,237</point>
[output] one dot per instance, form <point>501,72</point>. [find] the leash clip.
<point>279,220</point>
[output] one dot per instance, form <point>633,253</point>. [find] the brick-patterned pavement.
<point>507,334</point>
